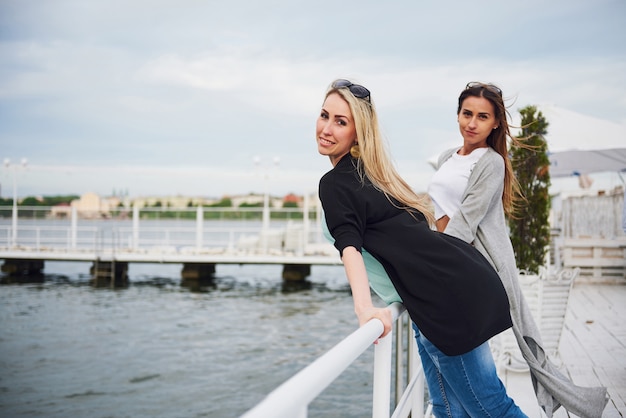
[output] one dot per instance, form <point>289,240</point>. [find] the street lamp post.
<point>13,167</point>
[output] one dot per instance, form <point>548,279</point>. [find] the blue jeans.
<point>465,385</point>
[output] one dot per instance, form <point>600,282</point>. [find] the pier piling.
<point>109,273</point>
<point>22,267</point>
<point>295,272</point>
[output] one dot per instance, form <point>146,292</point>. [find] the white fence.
<point>592,216</point>
<point>591,237</point>
<point>292,398</point>
<point>192,230</point>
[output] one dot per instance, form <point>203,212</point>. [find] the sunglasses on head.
<point>357,90</point>
<point>490,87</point>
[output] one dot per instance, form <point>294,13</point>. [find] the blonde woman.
<point>442,281</point>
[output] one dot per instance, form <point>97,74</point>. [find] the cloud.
<point>191,93</point>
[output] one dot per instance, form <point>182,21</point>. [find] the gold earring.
<point>355,151</point>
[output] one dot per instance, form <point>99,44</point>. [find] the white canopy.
<point>579,144</point>
<point>577,162</point>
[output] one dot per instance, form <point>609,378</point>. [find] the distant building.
<point>91,205</point>
<point>292,198</point>
<point>256,199</point>
<point>62,210</point>
<point>172,202</point>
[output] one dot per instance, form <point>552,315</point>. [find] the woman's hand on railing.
<point>383,314</point>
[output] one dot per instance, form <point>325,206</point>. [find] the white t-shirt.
<point>449,182</point>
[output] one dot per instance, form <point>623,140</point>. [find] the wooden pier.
<point>592,349</point>
<point>110,268</point>
<point>198,238</point>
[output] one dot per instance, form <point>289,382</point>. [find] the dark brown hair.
<point>498,138</point>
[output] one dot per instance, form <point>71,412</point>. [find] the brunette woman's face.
<point>335,130</point>
<point>476,121</point>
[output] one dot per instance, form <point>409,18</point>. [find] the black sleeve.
<point>343,208</point>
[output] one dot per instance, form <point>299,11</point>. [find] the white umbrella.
<point>577,162</point>
<point>579,144</point>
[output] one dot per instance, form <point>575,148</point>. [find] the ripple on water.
<point>156,348</point>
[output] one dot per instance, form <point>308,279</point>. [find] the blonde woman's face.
<point>335,130</point>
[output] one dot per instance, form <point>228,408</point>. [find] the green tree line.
<point>40,201</point>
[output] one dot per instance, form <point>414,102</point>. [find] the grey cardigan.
<point>481,221</point>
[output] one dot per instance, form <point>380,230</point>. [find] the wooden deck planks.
<point>592,349</point>
<point>592,346</point>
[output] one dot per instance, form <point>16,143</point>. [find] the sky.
<point>214,98</point>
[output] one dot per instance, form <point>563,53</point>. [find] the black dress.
<point>450,290</point>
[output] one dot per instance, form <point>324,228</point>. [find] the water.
<point>158,349</point>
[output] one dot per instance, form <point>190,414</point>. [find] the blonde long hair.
<point>373,159</point>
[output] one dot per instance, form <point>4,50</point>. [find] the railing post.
<point>306,228</point>
<point>135,227</point>
<point>231,240</point>
<point>74,228</point>
<point>318,218</point>
<point>415,367</point>
<point>400,330</point>
<point>199,223</point>
<point>265,225</point>
<point>14,218</point>
<point>382,377</point>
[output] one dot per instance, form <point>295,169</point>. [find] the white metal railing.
<point>292,398</point>
<point>195,230</point>
<point>52,236</point>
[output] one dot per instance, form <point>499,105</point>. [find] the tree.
<point>226,202</point>
<point>30,201</point>
<point>530,229</point>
